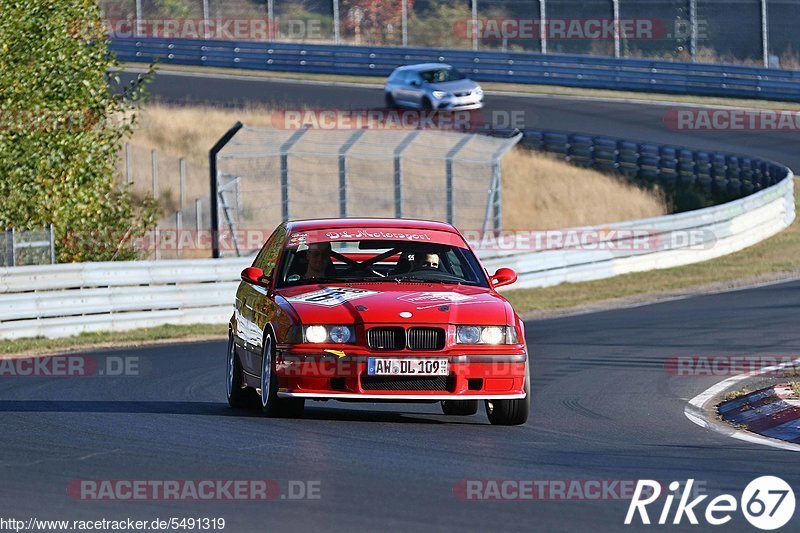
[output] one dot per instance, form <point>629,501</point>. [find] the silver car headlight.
<point>333,334</point>
<point>439,94</point>
<point>486,335</point>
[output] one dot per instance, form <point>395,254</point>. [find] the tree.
<point>61,129</point>
<point>376,21</point>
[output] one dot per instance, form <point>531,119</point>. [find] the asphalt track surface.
<point>604,408</point>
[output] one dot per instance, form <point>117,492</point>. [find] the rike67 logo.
<point>767,503</point>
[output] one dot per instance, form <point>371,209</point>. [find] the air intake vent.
<point>386,338</point>
<point>403,383</point>
<point>426,339</point>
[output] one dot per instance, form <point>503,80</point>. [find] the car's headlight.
<point>478,91</point>
<point>486,335</point>
<point>439,94</point>
<point>334,334</point>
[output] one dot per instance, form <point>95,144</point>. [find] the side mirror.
<point>255,276</point>
<point>503,276</point>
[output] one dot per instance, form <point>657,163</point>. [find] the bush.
<point>61,128</point>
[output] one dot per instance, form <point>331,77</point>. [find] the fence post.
<point>198,216</point>
<point>10,255</point>
<point>128,163</point>
<point>449,182</point>
<point>52,246</point>
<point>178,226</point>
<point>205,19</point>
<point>543,25</point>
<point>398,172</point>
<point>182,184</point>
<point>271,20</point>
<point>138,29</point>
<point>285,147</point>
<point>336,22</point>
<point>693,26</point>
<point>154,165</point>
<point>764,33</point>
<point>405,22</point>
<point>616,29</point>
<point>343,170</point>
<point>212,166</point>
<point>474,24</point>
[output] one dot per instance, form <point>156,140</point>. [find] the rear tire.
<point>460,407</point>
<point>239,397</point>
<point>271,405</point>
<point>510,412</point>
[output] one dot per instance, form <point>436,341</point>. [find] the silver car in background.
<point>432,86</point>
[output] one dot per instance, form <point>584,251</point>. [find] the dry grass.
<point>539,192</point>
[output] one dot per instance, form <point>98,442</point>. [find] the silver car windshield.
<point>441,75</point>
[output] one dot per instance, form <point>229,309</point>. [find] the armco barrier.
<point>62,300</point>
<point>486,65</point>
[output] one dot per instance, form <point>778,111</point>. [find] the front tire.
<point>510,412</point>
<point>460,407</point>
<point>239,397</point>
<point>390,101</point>
<point>271,404</point>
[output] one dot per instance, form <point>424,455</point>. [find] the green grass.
<point>497,87</point>
<point>776,256</point>
<point>40,345</point>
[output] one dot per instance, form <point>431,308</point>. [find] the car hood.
<point>454,86</point>
<point>383,303</point>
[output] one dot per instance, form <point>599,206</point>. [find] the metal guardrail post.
<point>198,215</point>
<point>52,246</point>
<point>404,22</point>
<point>212,160</point>
<point>764,33</point>
<point>206,16</point>
<point>693,27</point>
<point>154,168</point>
<point>138,28</point>
<point>474,24</point>
<point>343,170</point>
<point>285,147</point>
<point>616,29</point>
<point>449,176</point>
<point>10,251</point>
<point>128,163</point>
<point>398,172</point>
<point>336,35</point>
<point>543,24</point>
<point>271,21</point>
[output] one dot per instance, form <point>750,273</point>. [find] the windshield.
<point>441,75</point>
<point>386,261</point>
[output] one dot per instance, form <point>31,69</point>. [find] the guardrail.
<point>485,65</point>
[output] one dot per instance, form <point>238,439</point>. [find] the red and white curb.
<point>773,412</point>
<point>696,411</point>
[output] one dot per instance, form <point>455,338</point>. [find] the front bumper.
<point>337,376</point>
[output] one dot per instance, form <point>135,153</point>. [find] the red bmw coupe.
<point>375,310</point>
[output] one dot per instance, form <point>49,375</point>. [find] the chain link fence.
<point>27,247</point>
<point>741,31</point>
<point>265,176</point>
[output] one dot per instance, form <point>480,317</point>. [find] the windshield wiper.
<point>425,280</point>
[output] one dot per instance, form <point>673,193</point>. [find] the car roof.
<point>339,223</point>
<point>425,66</point>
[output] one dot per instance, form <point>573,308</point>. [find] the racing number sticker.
<point>331,296</point>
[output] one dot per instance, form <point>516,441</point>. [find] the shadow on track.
<point>220,409</point>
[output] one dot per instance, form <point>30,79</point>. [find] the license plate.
<point>380,366</point>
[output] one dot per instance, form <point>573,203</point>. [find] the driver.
<point>428,261</point>
<point>319,260</point>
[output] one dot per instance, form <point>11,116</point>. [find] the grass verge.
<point>136,337</point>
<point>552,90</point>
